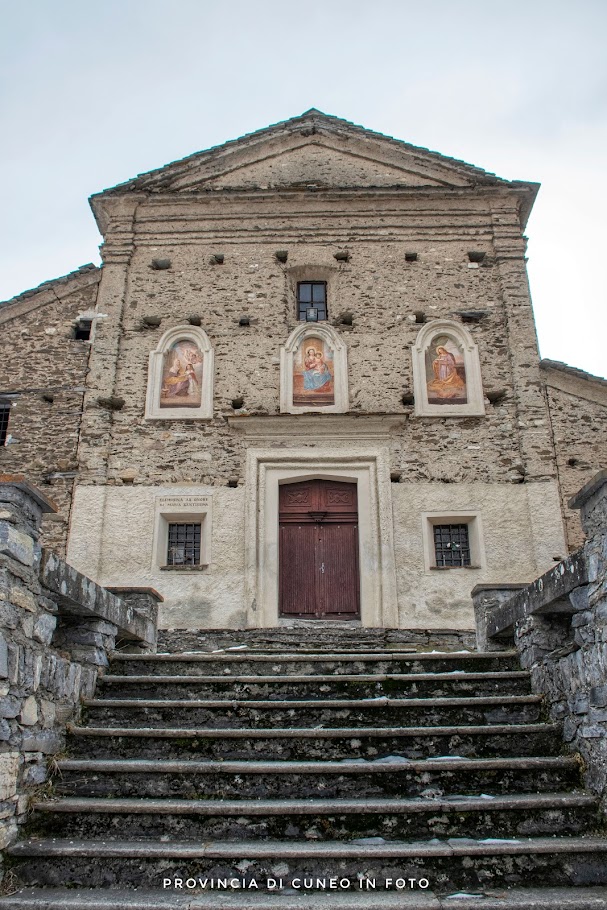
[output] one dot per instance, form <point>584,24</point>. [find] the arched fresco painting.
<point>313,373</point>
<point>182,376</point>
<point>445,372</point>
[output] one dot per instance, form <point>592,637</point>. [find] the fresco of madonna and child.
<point>313,373</point>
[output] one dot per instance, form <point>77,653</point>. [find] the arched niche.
<point>314,371</point>
<point>446,372</point>
<point>180,376</point>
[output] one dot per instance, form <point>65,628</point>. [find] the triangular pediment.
<point>314,149</point>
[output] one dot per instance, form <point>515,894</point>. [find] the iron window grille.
<point>5,410</point>
<point>312,301</point>
<point>452,545</point>
<point>183,545</point>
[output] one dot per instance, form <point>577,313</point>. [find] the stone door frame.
<point>369,468</point>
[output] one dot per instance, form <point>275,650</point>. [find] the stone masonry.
<point>43,378</point>
<point>559,628</point>
<point>57,629</point>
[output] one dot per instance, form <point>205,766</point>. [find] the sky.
<point>93,93</point>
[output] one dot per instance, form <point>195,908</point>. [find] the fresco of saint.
<point>182,376</point>
<point>445,372</point>
<point>313,374</point>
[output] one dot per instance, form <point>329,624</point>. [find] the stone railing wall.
<point>57,629</point>
<point>559,626</point>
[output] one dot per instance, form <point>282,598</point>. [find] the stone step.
<point>484,741</point>
<point>456,682</point>
<point>316,819</point>
<point>449,864</point>
<point>316,634</point>
<point>251,779</point>
<point>180,898</point>
<point>433,712</point>
<point>285,664</point>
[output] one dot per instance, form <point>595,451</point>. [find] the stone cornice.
<point>319,428</point>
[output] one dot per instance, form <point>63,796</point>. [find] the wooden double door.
<point>318,550</point>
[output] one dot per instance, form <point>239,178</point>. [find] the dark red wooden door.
<point>318,550</point>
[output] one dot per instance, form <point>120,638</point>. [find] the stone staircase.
<point>359,760</point>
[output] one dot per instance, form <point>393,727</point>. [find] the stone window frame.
<point>340,366</point>
<point>176,514</point>
<point>471,518</point>
<point>198,336</point>
<point>475,406</point>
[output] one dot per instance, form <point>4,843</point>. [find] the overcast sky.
<point>93,93</point>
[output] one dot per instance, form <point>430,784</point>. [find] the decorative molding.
<point>340,369</point>
<point>198,336</point>
<point>475,405</point>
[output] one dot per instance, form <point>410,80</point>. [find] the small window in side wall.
<point>312,301</point>
<point>453,540</point>
<point>5,410</point>
<point>183,547</point>
<point>82,330</point>
<point>451,545</point>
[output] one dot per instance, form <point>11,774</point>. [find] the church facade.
<point>303,386</point>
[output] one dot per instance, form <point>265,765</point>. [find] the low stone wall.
<point>57,629</point>
<point>559,626</point>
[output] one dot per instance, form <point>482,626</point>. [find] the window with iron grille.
<point>312,301</point>
<point>5,410</point>
<point>183,545</point>
<point>452,545</point>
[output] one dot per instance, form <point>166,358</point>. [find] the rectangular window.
<point>312,301</point>
<point>452,545</point>
<point>82,330</point>
<point>183,544</point>
<point>5,410</point>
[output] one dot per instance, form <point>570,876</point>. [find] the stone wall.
<point>57,629</point>
<point>577,403</point>
<point>559,626</point>
<point>43,377</point>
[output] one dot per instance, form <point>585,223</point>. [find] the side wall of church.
<point>578,413</point>
<point>43,378</point>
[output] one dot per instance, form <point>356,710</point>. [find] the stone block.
<point>3,657</point>
<point>34,774</point>
<point>29,712</point>
<point>47,741</point>
<point>22,598</point>
<point>598,696</point>
<point>44,628</point>
<point>9,771</point>
<point>10,706</point>
<point>16,544</point>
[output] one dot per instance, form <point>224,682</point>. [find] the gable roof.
<point>49,292</point>
<point>574,381</point>
<point>313,149</point>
